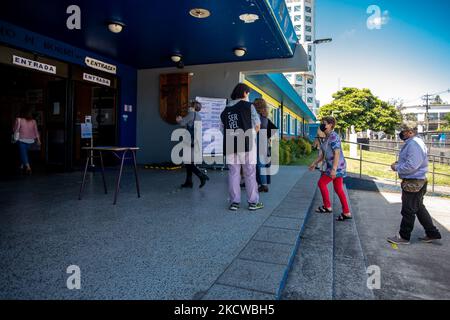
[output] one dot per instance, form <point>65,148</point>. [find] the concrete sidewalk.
<point>170,244</point>
<point>416,271</point>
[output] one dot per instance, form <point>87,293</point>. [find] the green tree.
<point>437,100</point>
<point>360,108</point>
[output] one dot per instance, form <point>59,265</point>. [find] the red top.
<point>27,128</point>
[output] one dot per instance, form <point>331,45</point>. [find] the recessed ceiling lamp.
<point>116,26</point>
<point>240,52</point>
<point>249,17</point>
<point>199,13</point>
<point>176,57</point>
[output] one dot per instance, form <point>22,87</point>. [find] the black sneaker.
<point>203,180</point>
<point>428,239</point>
<point>397,240</point>
<point>187,185</point>
<point>255,206</point>
<point>234,206</point>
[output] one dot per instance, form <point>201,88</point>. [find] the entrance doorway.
<point>99,104</point>
<point>46,95</point>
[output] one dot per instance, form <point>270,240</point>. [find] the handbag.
<point>16,134</point>
<point>413,185</point>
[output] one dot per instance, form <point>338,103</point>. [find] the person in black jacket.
<point>241,123</point>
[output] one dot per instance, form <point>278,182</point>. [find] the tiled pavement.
<point>169,244</point>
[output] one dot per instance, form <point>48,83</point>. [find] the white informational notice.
<point>86,130</point>
<point>210,113</point>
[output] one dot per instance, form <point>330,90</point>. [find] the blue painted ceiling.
<point>155,29</point>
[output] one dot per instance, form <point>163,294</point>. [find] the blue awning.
<point>278,87</point>
<point>155,30</point>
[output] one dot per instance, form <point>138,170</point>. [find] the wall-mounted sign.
<point>96,79</point>
<point>100,65</point>
<point>31,64</point>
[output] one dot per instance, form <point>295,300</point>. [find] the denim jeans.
<point>23,150</point>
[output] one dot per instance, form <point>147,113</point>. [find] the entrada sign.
<point>31,64</point>
<point>96,79</point>
<point>100,65</point>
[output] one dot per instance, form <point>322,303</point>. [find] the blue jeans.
<point>261,178</point>
<point>23,149</point>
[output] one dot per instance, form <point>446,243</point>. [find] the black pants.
<point>412,206</point>
<point>192,168</point>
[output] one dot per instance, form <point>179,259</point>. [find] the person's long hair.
<point>26,112</point>
<point>261,107</point>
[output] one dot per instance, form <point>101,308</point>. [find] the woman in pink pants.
<point>335,169</point>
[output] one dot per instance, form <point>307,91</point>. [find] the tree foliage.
<point>359,107</point>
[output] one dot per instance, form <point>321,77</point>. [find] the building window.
<point>308,28</point>
<point>310,100</point>
<point>309,48</point>
<point>297,8</point>
<point>298,78</point>
<point>299,128</point>
<point>297,17</point>
<point>310,81</point>
<point>308,38</point>
<point>285,123</point>
<point>310,90</point>
<point>298,28</point>
<point>308,9</point>
<point>310,57</point>
<point>308,19</point>
<point>292,127</point>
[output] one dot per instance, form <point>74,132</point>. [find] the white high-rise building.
<point>302,13</point>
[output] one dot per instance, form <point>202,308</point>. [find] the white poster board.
<point>210,113</point>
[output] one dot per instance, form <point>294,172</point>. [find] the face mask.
<point>402,136</point>
<point>323,127</point>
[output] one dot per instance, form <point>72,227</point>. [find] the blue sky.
<point>408,57</point>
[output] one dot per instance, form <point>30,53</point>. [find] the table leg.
<point>103,171</point>
<point>119,177</point>
<point>84,177</point>
<point>136,174</point>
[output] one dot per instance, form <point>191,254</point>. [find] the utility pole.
<point>427,111</point>
<point>427,98</point>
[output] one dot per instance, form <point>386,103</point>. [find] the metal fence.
<point>395,151</point>
<point>439,149</point>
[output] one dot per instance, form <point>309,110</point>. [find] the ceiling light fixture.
<point>116,26</point>
<point>199,13</point>
<point>249,17</point>
<point>240,52</point>
<point>176,57</point>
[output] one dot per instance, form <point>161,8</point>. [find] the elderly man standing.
<point>412,167</point>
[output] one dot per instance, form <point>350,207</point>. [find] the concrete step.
<point>350,267</point>
<point>260,270</point>
<point>311,275</point>
<point>329,263</point>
